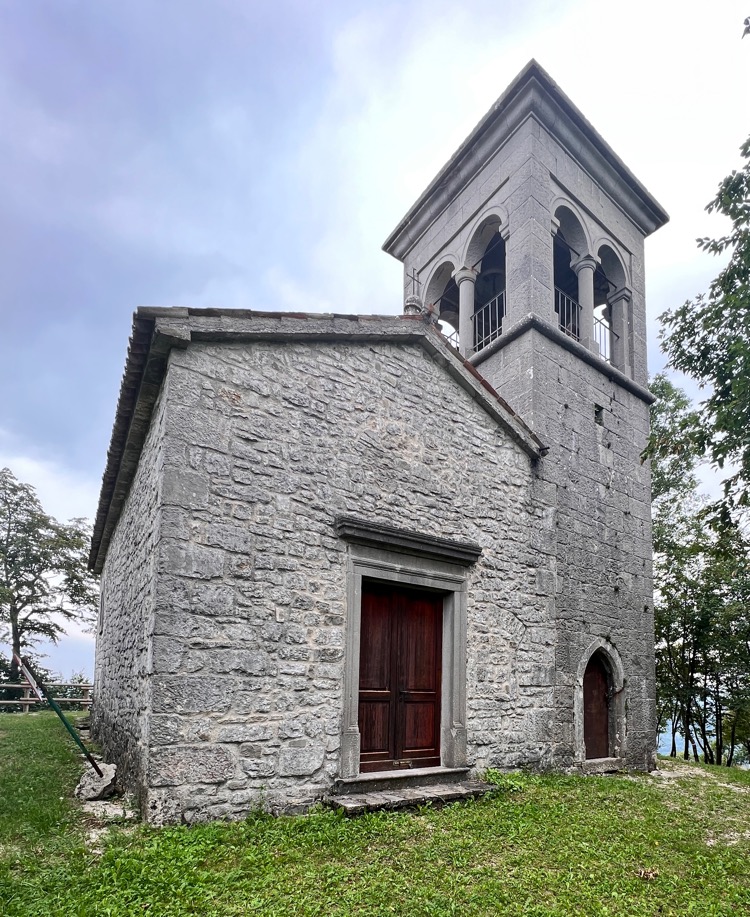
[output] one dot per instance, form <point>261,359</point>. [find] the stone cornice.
<point>532,94</point>
<point>388,537</point>
<point>552,333</point>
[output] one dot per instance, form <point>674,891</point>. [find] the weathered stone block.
<point>188,764</point>
<point>171,729</point>
<point>184,488</point>
<point>191,694</point>
<point>246,732</point>
<point>212,599</point>
<point>300,762</point>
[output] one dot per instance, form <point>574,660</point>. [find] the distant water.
<point>665,742</point>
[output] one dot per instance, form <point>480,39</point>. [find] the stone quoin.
<point>347,548</point>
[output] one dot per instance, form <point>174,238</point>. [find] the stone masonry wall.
<point>265,444</point>
<point>121,684</point>
<point>603,524</point>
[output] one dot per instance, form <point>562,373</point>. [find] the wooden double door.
<point>400,667</point>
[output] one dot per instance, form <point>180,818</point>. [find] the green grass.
<point>544,845</point>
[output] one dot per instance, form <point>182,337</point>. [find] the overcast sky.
<point>256,154</point>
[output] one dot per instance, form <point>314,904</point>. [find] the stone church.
<point>339,550</point>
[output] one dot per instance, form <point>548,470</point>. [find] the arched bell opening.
<point>442,295</point>
<point>489,291</point>
<point>611,308</point>
<point>569,246</point>
<point>602,314</point>
<point>567,308</point>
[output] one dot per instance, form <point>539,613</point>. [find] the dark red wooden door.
<point>399,678</point>
<point>596,709</point>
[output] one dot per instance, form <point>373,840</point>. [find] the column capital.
<point>555,226</point>
<point>464,273</point>
<point>624,294</point>
<point>504,232</point>
<point>585,262</point>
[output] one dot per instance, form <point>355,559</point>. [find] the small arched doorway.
<point>596,700</point>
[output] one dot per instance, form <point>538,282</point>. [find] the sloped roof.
<point>532,93</point>
<point>157,330</point>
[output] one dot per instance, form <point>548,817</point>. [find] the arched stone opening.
<point>486,255</point>
<point>569,247</point>
<point>612,308</point>
<point>442,294</point>
<point>600,705</point>
<point>596,694</point>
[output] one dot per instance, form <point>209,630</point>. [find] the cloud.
<point>73,653</point>
<point>64,493</point>
<point>256,155</point>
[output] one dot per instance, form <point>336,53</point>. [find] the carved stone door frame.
<point>383,554</point>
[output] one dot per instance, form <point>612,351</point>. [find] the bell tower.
<point>528,246</point>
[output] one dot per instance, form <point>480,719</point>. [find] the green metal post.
<point>44,694</point>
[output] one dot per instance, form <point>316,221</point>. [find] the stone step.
<point>387,781</point>
<point>408,797</point>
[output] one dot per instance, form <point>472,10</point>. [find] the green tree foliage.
<point>702,596</point>
<point>709,339</point>
<point>44,580</point>
<point>723,659</point>
<point>672,419</point>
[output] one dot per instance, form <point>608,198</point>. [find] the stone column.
<point>585,268</point>
<point>554,229</point>
<point>465,278</point>
<point>619,306</point>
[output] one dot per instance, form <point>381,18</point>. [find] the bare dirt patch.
<point>733,787</point>
<point>676,770</point>
<point>729,838</point>
<point>102,815</point>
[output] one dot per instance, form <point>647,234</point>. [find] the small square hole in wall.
<point>599,414</point>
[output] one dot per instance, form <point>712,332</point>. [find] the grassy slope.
<point>540,846</point>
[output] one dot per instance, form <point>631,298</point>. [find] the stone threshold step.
<point>388,781</point>
<point>408,797</point>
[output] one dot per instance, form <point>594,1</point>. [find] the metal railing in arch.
<point>488,321</point>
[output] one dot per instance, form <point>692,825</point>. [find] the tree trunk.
<point>686,734</point>
<point>718,720</point>
<point>732,741</point>
<point>696,757</point>
<point>15,633</point>
<point>705,744</point>
<point>708,754</point>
